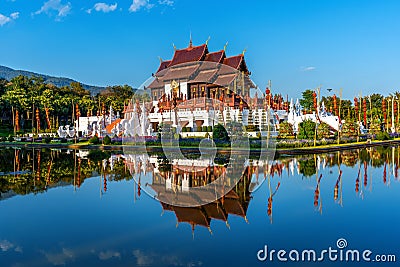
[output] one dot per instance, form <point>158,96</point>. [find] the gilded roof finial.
<point>160,59</point>
<point>244,51</point>
<point>174,46</point>
<point>209,229</point>
<point>208,39</point>
<point>190,42</point>
<point>225,46</point>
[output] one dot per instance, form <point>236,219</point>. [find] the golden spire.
<point>160,59</point>
<point>190,42</point>
<point>244,51</point>
<point>225,46</point>
<point>174,46</point>
<point>208,39</point>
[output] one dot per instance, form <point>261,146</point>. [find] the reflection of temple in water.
<point>173,183</point>
<point>235,202</point>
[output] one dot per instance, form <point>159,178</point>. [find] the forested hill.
<point>9,73</point>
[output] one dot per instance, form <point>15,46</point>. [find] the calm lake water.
<point>81,208</point>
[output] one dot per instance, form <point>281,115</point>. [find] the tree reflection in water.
<point>25,171</point>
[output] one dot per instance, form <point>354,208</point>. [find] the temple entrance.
<point>199,124</point>
<point>154,125</point>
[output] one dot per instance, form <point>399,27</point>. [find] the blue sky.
<point>298,45</point>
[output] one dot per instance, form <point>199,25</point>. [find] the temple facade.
<point>197,89</point>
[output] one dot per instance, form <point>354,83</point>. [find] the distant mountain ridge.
<point>9,73</point>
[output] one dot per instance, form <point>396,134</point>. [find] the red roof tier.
<point>163,65</point>
<point>192,64</point>
<point>193,216</point>
<point>215,210</point>
<point>233,206</point>
<point>234,61</point>
<point>215,56</point>
<point>193,53</point>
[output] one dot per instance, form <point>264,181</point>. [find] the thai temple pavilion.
<point>202,80</point>
<point>197,88</point>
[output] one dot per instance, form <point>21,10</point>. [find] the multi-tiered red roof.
<point>201,53</point>
<point>205,73</point>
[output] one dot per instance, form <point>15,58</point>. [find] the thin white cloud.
<point>62,9</point>
<point>4,19</point>
<point>59,258</point>
<point>148,258</point>
<point>109,254</point>
<point>166,2</point>
<point>138,4</point>
<point>6,245</point>
<point>103,7</point>
<point>141,258</point>
<point>14,15</point>
<point>309,68</point>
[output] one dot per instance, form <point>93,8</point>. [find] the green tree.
<point>306,129</point>
<point>116,96</point>
<point>285,130</point>
<point>349,128</point>
<point>376,104</point>
<point>323,130</point>
<point>107,140</point>
<point>375,126</point>
<point>220,134</point>
<point>307,101</point>
<point>78,90</point>
<point>88,105</point>
<point>94,140</point>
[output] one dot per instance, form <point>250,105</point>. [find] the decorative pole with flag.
<point>16,120</point>
<point>78,114</point>
<point>356,108</point>
<point>46,109</point>
<point>340,121</point>
<point>384,111</point>
<point>37,120</point>
<point>393,129</point>
<point>316,116</point>
<point>335,108</point>
<point>314,95</point>
<point>365,111</point>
